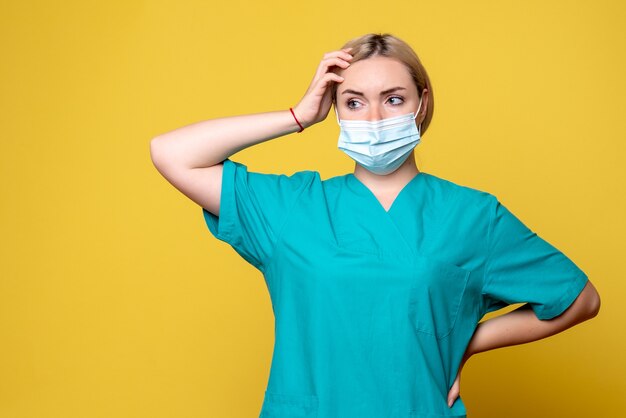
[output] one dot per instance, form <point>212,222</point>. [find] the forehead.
<point>375,74</point>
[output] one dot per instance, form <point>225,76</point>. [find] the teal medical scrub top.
<point>373,308</point>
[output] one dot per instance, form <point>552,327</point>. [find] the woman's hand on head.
<point>315,104</point>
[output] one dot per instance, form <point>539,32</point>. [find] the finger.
<point>452,397</point>
<point>330,62</point>
<point>341,53</point>
<point>321,89</point>
<point>335,62</point>
<point>454,391</point>
<point>326,79</point>
<point>334,55</point>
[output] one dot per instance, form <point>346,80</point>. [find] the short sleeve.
<point>253,209</point>
<point>521,267</point>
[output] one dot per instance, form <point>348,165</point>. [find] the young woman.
<point>377,278</point>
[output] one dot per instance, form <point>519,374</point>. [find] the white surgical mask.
<point>379,146</point>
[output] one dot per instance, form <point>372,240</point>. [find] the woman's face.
<point>377,88</point>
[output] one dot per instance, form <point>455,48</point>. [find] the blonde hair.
<point>387,45</point>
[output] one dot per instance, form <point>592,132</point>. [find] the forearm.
<point>522,326</point>
<point>206,143</point>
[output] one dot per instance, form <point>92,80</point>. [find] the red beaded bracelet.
<point>294,116</point>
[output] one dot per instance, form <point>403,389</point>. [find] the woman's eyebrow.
<point>382,93</point>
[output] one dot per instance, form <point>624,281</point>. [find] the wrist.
<point>298,120</point>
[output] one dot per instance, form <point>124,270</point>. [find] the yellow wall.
<point>115,300</point>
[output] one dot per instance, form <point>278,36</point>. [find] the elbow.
<point>592,301</point>
<point>157,154</point>
<point>594,305</point>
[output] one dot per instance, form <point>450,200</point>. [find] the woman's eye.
<point>397,97</point>
<point>350,102</point>
<point>395,101</point>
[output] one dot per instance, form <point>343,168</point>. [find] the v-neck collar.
<point>366,190</point>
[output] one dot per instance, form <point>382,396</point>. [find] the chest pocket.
<point>435,295</point>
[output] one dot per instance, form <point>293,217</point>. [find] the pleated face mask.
<point>379,146</point>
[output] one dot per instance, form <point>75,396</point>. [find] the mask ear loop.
<point>418,109</point>
<point>419,127</point>
<point>336,115</point>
